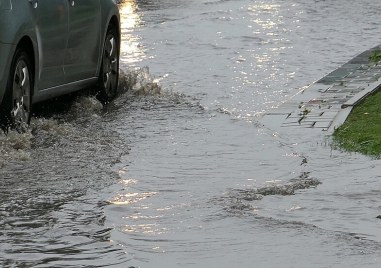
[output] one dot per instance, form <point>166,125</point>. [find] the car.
<point>53,47</point>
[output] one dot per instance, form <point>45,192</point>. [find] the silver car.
<point>53,47</point>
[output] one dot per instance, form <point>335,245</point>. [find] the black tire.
<point>17,102</point>
<point>109,71</point>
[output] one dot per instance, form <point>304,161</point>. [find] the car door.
<point>83,45</point>
<point>51,19</point>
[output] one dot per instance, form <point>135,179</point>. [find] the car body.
<point>58,46</point>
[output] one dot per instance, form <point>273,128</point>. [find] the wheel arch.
<point>114,21</point>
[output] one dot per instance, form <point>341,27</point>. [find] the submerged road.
<point>183,170</point>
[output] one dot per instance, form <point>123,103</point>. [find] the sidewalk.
<point>325,104</point>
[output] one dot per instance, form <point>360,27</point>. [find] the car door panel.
<point>83,45</point>
<point>51,22</point>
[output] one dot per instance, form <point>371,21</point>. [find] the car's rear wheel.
<point>18,101</point>
<point>109,72</point>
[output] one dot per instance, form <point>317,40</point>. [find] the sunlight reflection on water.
<point>132,50</point>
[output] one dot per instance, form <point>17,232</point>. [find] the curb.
<point>347,107</point>
<point>325,104</point>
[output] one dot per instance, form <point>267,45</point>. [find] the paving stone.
<point>301,124</point>
<point>318,87</point>
<point>325,124</point>
<point>329,79</point>
<point>279,112</point>
<point>351,66</point>
<point>273,120</point>
<point>340,72</point>
<point>318,119</point>
<point>328,114</point>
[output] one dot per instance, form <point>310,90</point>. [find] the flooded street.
<point>179,171</point>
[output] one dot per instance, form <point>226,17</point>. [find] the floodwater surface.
<point>179,170</point>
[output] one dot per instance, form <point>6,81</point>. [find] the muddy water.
<point>179,171</point>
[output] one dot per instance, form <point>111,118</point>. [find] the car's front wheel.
<point>109,72</point>
<point>18,101</point>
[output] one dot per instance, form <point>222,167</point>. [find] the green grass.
<point>375,56</point>
<point>361,132</point>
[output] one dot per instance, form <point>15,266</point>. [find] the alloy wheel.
<point>21,89</point>
<point>110,65</point>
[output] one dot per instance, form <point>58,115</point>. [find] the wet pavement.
<point>325,104</point>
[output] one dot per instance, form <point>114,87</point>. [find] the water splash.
<point>86,105</point>
<point>240,200</point>
<point>50,126</point>
<point>304,181</point>
<point>14,147</point>
<point>139,82</point>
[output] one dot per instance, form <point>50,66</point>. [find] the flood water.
<point>179,171</point>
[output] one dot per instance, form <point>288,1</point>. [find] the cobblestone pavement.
<point>325,104</point>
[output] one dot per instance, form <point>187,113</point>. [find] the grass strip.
<point>361,132</point>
